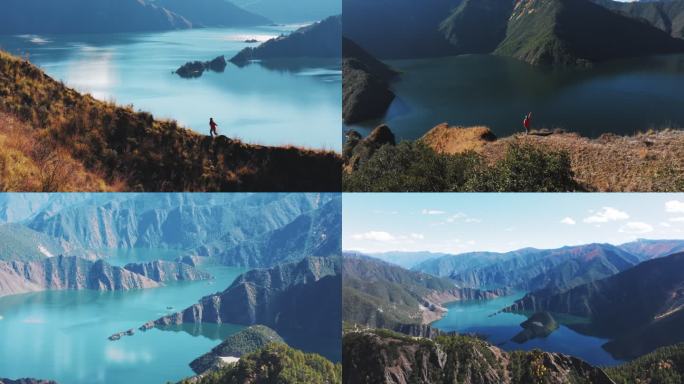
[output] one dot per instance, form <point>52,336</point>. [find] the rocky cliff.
<point>382,357</point>
<point>164,271</point>
<point>301,298</point>
<point>366,92</point>
<point>61,272</point>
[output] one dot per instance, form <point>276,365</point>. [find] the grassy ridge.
<point>132,149</point>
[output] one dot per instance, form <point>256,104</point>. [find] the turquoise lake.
<point>476,317</point>
<point>622,97</point>
<point>287,102</point>
<point>63,335</point>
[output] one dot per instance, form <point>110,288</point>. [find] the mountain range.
<point>115,16</point>
<point>382,295</point>
<point>289,12</point>
<point>236,229</point>
<point>639,309</point>
<point>555,269</point>
<point>540,32</point>
<point>667,15</point>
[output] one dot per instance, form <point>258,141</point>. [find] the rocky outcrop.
<point>61,272</point>
<point>358,150</point>
<point>246,341</point>
<point>319,40</point>
<point>119,335</point>
<point>163,271</point>
<point>366,92</point>
<point>382,357</point>
<point>456,140</point>
<point>539,325</point>
<point>195,69</point>
<point>293,298</point>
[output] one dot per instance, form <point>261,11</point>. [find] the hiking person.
<point>527,123</point>
<point>212,126</point>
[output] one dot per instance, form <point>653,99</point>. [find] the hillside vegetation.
<point>112,147</point>
<point>276,363</point>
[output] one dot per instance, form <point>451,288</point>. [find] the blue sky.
<point>458,223</point>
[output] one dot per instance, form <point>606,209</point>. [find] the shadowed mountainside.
<point>318,40</point>
<point>137,152</point>
<point>641,308</point>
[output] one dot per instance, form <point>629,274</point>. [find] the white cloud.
<point>374,236</point>
<point>674,206</point>
<point>605,215</point>
<point>677,219</point>
<point>417,236</point>
<point>472,220</point>
<point>636,227</point>
<point>432,212</point>
<point>568,221</point>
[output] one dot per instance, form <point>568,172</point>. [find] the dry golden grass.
<point>646,162</point>
<point>456,140</point>
<point>30,163</point>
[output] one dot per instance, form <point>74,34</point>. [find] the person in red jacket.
<point>527,123</point>
<point>212,125</point>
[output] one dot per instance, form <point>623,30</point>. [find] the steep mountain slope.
<point>578,32</point>
<point>398,28</point>
<point>378,294</point>
<point>275,363</point>
<point>161,271</point>
<point>301,301</point>
<point>652,249</point>
<point>318,40</point>
<point>477,26</point>
<point>86,16</point>
<point>244,342</point>
<point>132,151</point>
<point>383,357</point>
<point>366,92</point>
<point>316,233</point>
<point>533,269</point>
<point>662,366</point>
<point>205,224</point>
<point>60,272</point>
<point>18,242</point>
<point>667,15</point>
<point>640,309</point>
<point>213,13</point>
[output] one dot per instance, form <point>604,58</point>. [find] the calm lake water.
<point>619,97</point>
<point>291,102</point>
<point>475,317</point>
<point>63,335</point>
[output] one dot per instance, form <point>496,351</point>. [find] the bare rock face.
<point>358,150</point>
<point>61,272</point>
<point>163,271</point>
<point>383,357</point>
